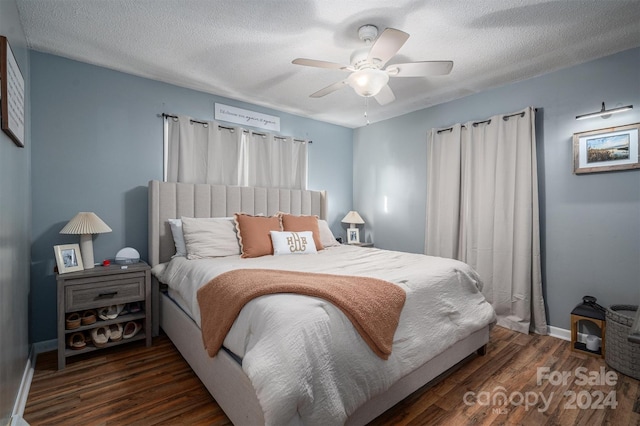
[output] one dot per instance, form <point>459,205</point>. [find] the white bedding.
<point>305,359</point>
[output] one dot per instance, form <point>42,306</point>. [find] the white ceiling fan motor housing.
<point>359,58</point>
<point>368,33</point>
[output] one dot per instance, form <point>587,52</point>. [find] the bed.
<point>232,375</point>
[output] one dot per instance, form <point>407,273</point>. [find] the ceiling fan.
<point>368,76</point>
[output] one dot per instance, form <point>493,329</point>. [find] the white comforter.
<point>304,358</point>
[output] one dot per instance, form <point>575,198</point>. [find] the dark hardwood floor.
<point>135,385</point>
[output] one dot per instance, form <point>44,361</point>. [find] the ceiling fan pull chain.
<point>366,107</point>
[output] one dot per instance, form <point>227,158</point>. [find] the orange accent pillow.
<point>254,234</point>
<point>302,223</point>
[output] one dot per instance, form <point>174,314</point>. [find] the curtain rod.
<point>220,126</point>
<point>505,118</point>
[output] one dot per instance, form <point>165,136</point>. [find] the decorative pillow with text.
<point>293,242</point>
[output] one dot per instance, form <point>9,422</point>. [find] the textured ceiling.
<point>242,49</point>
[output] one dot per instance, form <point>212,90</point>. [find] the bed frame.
<point>222,375</point>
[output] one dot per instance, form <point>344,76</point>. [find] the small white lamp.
<point>353,219</point>
<point>85,224</point>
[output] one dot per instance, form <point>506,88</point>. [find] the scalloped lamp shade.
<point>353,218</point>
<point>85,224</point>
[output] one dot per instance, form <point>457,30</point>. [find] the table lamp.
<point>85,224</point>
<point>353,219</point>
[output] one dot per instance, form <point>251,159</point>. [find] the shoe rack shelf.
<point>97,288</point>
<point>121,319</point>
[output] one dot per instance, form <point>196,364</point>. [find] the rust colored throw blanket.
<point>372,305</point>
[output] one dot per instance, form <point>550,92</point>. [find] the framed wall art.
<point>68,258</point>
<point>605,150</point>
<point>11,94</point>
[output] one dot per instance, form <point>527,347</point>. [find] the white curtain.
<point>443,192</point>
<point>497,230</point>
<point>276,161</point>
<point>206,152</point>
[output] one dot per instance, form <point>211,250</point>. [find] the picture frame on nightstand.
<point>353,235</point>
<point>68,258</point>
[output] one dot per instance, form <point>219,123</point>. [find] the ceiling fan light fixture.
<point>368,82</point>
<point>369,77</point>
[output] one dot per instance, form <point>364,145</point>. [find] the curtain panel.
<point>207,152</point>
<point>482,208</point>
<point>443,192</point>
<point>276,161</point>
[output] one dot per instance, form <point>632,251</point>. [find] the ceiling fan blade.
<point>329,89</point>
<point>385,96</point>
<point>420,69</point>
<point>386,46</point>
<point>319,64</point>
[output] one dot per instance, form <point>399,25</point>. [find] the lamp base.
<point>86,249</point>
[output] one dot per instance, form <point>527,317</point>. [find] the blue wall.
<point>590,223</point>
<point>15,219</point>
<point>97,141</point>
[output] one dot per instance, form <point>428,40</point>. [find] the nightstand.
<point>100,287</point>
<point>361,244</point>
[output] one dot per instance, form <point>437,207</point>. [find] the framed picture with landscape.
<point>605,150</point>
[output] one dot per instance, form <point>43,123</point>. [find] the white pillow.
<point>326,236</point>
<point>178,237</point>
<point>293,242</point>
<point>209,237</point>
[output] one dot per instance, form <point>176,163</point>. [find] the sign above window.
<point>245,117</point>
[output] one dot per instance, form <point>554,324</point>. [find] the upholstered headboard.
<point>169,200</point>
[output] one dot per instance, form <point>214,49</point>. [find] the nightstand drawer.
<point>96,295</point>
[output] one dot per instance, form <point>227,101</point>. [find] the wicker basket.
<point>621,354</point>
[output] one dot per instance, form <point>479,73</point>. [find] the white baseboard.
<point>27,376</point>
<point>23,391</point>
<point>564,334</point>
<point>559,333</point>
<point>17,420</point>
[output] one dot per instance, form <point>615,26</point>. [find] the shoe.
<point>100,336</point>
<point>110,312</point>
<point>88,317</point>
<point>115,331</point>
<point>134,307</point>
<point>114,311</point>
<point>119,309</point>
<point>131,329</point>
<point>72,321</point>
<point>76,341</point>
<point>102,313</point>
